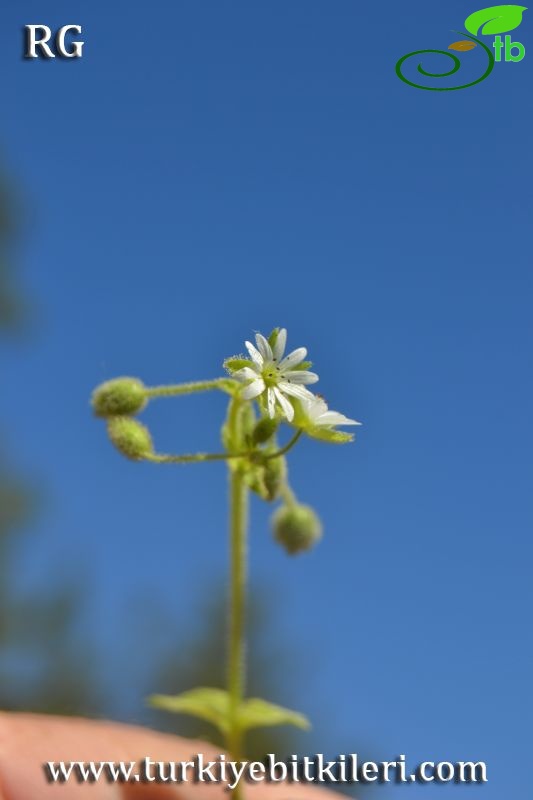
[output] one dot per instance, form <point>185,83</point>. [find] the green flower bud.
<point>264,430</point>
<point>130,437</point>
<point>297,528</point>
<point>119,397</point>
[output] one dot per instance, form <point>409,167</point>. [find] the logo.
<point>491,21</point>
<point>38,36</point>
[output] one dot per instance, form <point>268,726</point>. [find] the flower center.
<point>271,373</point>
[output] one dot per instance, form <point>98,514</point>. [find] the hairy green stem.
<point>288,495</point>
<point>224,384</point>
<point>191,458</point>
<point>237,609</point>
<point>286,448</point>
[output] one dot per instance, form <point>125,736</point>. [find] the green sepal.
<point>303,365</point>
<point>235,363</point>
<point>266,476</point>
<point>275,477</point>
<point>266,479</point>
<point>247,424</point>
<point>328,434</point>
<point>227,437</point>
<point>257,713</point>
<point>255,478</point>
<point>206,703</point>
<point>262,404</point>
<point>273,337</point>
<point>237,433</point>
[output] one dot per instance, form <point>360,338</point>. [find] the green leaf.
<point>205,703</point>
<point>213,705</point>
<point>257,713</point>
<point>235,363</point>
<point>496,19</point>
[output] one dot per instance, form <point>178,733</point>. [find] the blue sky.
<point>207,170</point>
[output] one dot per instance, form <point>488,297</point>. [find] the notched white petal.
<point>279,347</point>
<point>255,355</point>
<point>263,346</point>
<point>296,391</point>
<point>271,402</point>
<point>286,406</point>
<point>245,374</point>
<point>301,376</point>
<point>316,408</point>
<point>294,358</point>
<point>254,389</point>
<point>334,418</point>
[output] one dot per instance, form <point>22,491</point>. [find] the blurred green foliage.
<point>11,304</point>
<point>42,668</point>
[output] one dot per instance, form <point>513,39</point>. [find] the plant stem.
<point>191,458</point>
<point>237,610</point>
<point>224,384</point>
<point>288,495</point>
<point>286,448</point>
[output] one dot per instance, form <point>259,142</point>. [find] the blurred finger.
<point>29,741</point>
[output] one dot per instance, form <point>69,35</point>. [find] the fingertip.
<point>142,791</point>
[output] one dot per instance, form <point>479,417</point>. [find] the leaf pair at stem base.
<point>214,706</point>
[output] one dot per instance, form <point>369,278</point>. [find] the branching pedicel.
<point>265,390</point>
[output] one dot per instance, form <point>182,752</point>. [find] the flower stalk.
<point>223,384</point>
<point>237,608</point>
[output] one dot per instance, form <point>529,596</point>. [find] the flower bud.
<point>119,397</point>
<point>130,437</point>
<point>274,476</point>
<point>264,430</point>
<point>296,527</point>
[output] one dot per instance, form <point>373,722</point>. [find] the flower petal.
<point>294,358</point>
<point>334,418</point>
<point>315,408</point>
<point>263,346</point>
<point>279,347</point>
<point>271,401</point>
<point>254,389</point>
<point>300,376</point>
<point>246,374</point>
<point>255,355</point>
<point>288,410</point>
<point>296,391</point>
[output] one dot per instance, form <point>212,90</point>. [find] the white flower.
<point>276,375</point>
<point>318,414</point>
